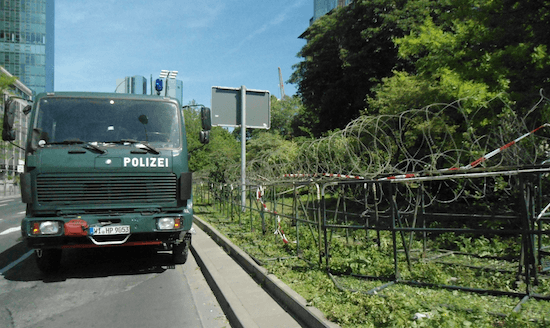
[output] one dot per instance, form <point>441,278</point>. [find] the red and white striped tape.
<point>328,175</point>
<point>413,175</point>
<point>477,161</point>
<point>498,150</point>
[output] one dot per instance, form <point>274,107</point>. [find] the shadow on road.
<point>88,263</point>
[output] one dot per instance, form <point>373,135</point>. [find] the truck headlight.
<point>169,223</point>
<point>46,228</point>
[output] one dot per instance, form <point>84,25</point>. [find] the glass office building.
<point>132,84</point>
<point>27,42</point>
<point>322,7</point>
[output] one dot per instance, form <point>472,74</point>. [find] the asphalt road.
<point>110,287</point>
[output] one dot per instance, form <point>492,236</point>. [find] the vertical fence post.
<point>345,212</point>
<point>295,216</point>
<point>393,213</point>
<point>322,226</point>
<point>250,210</point>
<point>317,218</point>
<point>274,207</point>
<point>262,216</point>
<point>424,233</point>
<point>232,202</point>
<point>376,213</point>
<point>240,221</point>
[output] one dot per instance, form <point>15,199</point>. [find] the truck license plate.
<point>110,230</point>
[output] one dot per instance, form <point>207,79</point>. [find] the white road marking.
<point>10,230</point>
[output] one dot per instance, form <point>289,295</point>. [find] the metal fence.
<point>399,230</point>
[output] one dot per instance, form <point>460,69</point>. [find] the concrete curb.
<point>294,303</point>
<point>234,311</point>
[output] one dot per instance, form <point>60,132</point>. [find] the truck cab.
<point>105,170</point>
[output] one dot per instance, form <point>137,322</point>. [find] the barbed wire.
<point>430,140</point>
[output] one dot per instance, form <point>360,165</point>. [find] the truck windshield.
<point>105,120</point>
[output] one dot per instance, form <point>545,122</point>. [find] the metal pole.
<point>243,147</point>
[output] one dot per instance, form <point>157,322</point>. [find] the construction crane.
<point>281,84</point>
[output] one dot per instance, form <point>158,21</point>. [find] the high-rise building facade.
<point>174,89</point>
<point>132,84</point>
<point>27,42</point>
<point>322,7</point>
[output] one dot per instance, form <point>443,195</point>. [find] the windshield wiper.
<point>138,144</point>
<point>148,147</point>
<point>91,146</point>
<point>88,145</point>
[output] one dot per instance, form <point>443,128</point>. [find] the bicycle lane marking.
<point>10,230</point>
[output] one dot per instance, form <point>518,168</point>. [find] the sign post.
<point>243,148</point>
<point>239,107</point>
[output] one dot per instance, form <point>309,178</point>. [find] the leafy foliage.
<point>213,159</point>
<point>343,299</point>
<point>402,55</point>
<point>347,54</point>
<point>284,114</point>
<point>5,83</point>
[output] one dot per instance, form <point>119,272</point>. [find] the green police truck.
<point>105,170</point>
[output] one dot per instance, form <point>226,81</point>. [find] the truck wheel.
<point>181,251</point>
<point>48,260</point>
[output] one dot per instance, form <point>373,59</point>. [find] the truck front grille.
<point>105,188</point>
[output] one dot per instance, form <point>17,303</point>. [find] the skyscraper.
<point>322,7</point>
<point>27,42</point>
<point>174,89</point>
<point>132,84</point>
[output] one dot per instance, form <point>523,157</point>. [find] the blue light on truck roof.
<point>158,85</point>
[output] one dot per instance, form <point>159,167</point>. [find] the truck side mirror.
<point>27,109</point>
<point>8,134</point>
<point>206,119</point>
<point>204,137</point>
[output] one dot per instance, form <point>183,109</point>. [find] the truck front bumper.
<point>83,231</point>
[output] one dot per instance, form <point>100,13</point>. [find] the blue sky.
<point>227,43</point>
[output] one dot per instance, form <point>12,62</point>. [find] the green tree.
<point>6,83</point>
<point>473,51</point>
<point>269,155</point>
<point>215,159</point>
<point>284,115</point>
<point>478,50</point>
<point>348,53</point>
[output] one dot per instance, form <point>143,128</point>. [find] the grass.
<point>344,296</point>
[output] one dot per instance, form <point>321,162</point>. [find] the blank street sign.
<point>226,108</point>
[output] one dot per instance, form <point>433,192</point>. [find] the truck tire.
<point>48,260</point>
<point>181,251</point>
